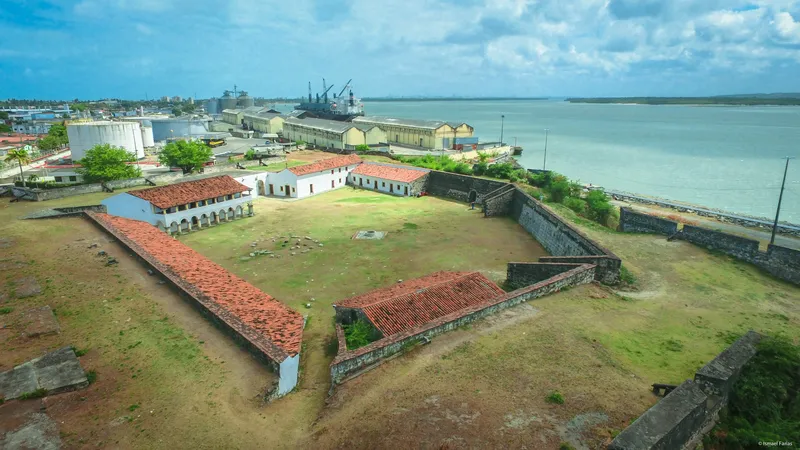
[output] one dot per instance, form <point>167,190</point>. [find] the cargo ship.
<point>341,107</point>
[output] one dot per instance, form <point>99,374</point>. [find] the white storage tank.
<point>147,137</point>
<point>85,135</point>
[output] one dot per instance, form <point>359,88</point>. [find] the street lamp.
<point>780,198</point>
<point>502,120</point>
<point>544,164</point>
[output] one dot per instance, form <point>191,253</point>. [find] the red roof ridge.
<point>434,286</point>
<point>402,288</point>
<point>190,191</point>
<point>326,164</point>
<point>401,174</point>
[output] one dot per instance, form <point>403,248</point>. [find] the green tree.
<point>362,148</point>
<point>49,143</point>
<point>5,128</point>
<point>106,163</point>
<point>22,158</point>
<point>189,156</point>
<point>177,111</point>
<point>79,107</point>
<point>59,131</point>
<point>187,108</point>
<point>3,115</point>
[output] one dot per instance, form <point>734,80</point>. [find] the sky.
<point>135,49</point>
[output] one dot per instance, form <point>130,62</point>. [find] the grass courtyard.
<point>167,379</point>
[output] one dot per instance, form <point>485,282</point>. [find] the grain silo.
<point>245,101</point>
<point>147,137</point>
<point>212,106</point>
<point>85,135</point>
<point>227,101</point>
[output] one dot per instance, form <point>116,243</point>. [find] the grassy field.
<point>277,167</point>
<point>167,379</point>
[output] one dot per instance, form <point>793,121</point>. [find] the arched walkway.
<point>473,196</point>
<point>184,226</point>
<point>213,218</point>
<point>204,220</point>
<point>231,214</point>
<point>195,222</point>
<point>239,211</point>
<point>222,215</point>
<point>173,227</point>
<point>161,226</point>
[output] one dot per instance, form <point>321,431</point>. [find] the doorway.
<point>332,184</point>
<point>405,191</point>
<point>473,195</point>
<point>271,189</point>
<point>311,186</point>
<point>287,190</point>
<point>391,188</point>
<point>360,181</point>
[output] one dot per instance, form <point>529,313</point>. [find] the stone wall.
<point>682,418</point>
<point>498,202</point>
<point>606,272</point>
<point>633,222</point>
<point>348,363</point>
<point>521,274</point>
<point>781,262</point>
<point>458,187</point>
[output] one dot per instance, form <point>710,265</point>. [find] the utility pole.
<point>544,164</point>
<point>780,198</point>
<point>502,120</point>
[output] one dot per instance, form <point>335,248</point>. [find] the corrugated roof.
<point>413,123</point>
<point>333,126</point>
<point>416,302</point>
<point>326,164</point>
<point>256,309</point>
<point>402,175</point>
<point>190,191</point>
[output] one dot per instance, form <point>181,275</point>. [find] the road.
<point>760,235</point>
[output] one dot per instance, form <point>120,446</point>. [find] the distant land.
<point>776,99</point>
<point>446,99</point>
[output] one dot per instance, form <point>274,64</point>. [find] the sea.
<point>722,157</point>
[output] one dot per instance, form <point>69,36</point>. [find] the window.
<point>171,210</point>
<point>220,199</point>
<point>333,184</point>
<point>282,189</point>
<point>312,188</point>
<point>237,195</point>
<point>331,171</point>
<point>192,205</point>
<point>292,189</point>
<point>59,179</point>
<point>340,170</point>
<point>383,184</point>
<point>181,207</point>
<point>340,181</point>
<point>73,178</point>
<point>230,197</point>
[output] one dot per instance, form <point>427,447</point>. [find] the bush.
<point>480,168</point>
<point>626,276</point>
<point>250,155</point>
<point>555,397</point>
<point>599,207</point>
<point>332,346</point>
<point>576,204</point>
<point>38,393</point>
<point>559,190</point>
<point>358,334</point>
<point>362,148</point>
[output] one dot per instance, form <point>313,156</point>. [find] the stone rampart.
<point>781,262</point>
<point>522,274</point>
<point>458,187</point>
<point>680,420</point>
<point>498,202</point>
<point>348,363</point>
<point>633,222</point>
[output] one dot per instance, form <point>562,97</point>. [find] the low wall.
<point>781,262</point>
<point>633,222</point>
<point>260,347</point>
<point>524,274</point>
<point>347,362</point>
<point>458,187</point>
<point>680,420</point>
<point>606,272</point>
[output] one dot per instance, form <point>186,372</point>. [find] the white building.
<point>186,206</point>
<point>85,135</point>
<point>310,179</point>
<point>389,178</point>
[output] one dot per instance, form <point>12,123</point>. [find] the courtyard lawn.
<point>166,379</point>
<point>277,167</point>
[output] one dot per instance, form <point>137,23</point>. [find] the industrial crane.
<point>344,88</point>
<point>325,92</point>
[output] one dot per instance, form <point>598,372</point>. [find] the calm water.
<point>721,157</point>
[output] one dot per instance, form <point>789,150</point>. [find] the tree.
<point>177,111</point>
<point>59,132</point>
<point>106,163</point>
<point>49,143</point>
<point>188,108</point>
<point>21,157</point>
<point>189,156</point>
<point>3,115</point>
<point>5,128</point>
<point>362,148</point>
<point>80,107</point>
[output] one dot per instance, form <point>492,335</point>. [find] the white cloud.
<point>787,28</point>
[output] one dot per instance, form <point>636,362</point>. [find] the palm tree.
<point>22,158</point>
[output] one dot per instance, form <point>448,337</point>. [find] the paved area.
<point>27,287</point>
<point>23,425</point>
<point>762,236</point>
<point>55,372</point>
<point>39,322</point>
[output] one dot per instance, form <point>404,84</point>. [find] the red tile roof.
<point>416,302</point>
<point>262,313</point>
<point>389,173</point>
<point>326,164</point>
<point>190,191</point>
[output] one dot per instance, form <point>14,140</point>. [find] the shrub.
<point>38,393</point>
<point>575,204</point>
<point>362,148</point>
<point>332,346</point>
<point>480,168</point>
<point>80,352</point>
<point>599,207</point>
<point>555,397</point>
<point>358,334</point>
<point>626,276</point>
<point>6,310</point>
<point>250,155</point>
<point>559,190</point>
<point>91,376</point>
<point>566,446</point>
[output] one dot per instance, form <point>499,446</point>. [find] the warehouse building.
<point>389,178</point>
<point>429,134</point>
<point>332,133</point>
<point>234,116</point>
<point>265,122</point>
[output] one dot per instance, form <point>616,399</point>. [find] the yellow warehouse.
<point>332,133</point>
<point>430,134</point>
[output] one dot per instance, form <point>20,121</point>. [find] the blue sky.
<point>131,48</point>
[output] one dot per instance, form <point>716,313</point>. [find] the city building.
<point>332,133</point>
<point>429,134</point>
<point>234,116</point>
<point>412,303</point>
<point>34,126</point>
<point>389,179</point>
<point>310,179</point>
<point>187,206</point>
<point>85,135</point>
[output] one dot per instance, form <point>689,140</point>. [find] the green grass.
<point>555,398</point>
<point>6,310</point>
<point>277,167</point>
<point>38,393</point>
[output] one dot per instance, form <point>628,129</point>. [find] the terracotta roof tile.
<point>389,172</point>
<point>325,164</point>
<point>256,309</point>
<point>416,302</point>
<point>190,191</point>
